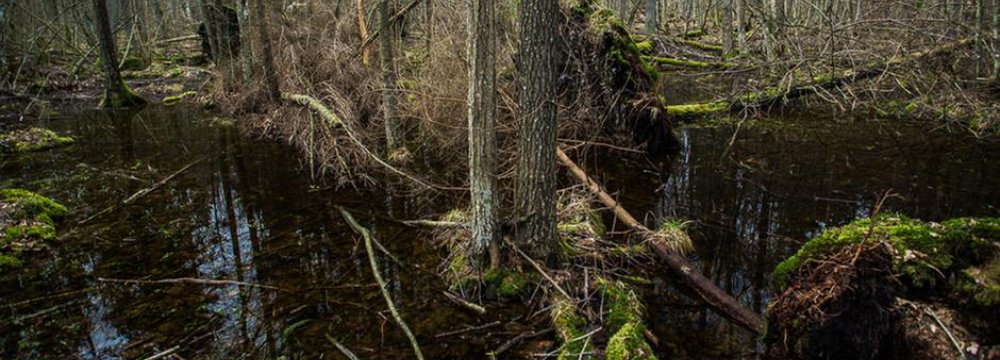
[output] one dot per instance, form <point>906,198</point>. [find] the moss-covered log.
<point>775,96</point>
<point>699,45</point>
<point>669,61</point>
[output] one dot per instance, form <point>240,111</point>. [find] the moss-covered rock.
<point>27,221</point>
<point>925,253</point>
<point>32,139</point>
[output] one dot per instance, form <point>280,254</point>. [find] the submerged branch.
<point>140,193</point>
<point>361,230</point>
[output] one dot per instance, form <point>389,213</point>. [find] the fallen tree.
<point>776,96</point>
<point>667,252</point>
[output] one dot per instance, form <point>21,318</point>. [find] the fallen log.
<point>178,39</point>
<point>777,96</point>
<point>663,60</point>
<point>709,292</point>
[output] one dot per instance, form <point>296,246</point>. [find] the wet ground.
<point>245,211</point>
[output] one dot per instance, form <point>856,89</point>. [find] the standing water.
<point>295,273</point>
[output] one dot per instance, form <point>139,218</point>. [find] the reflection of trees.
<point>756,201</point>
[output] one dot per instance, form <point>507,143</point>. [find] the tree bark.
<point>536,182</point>
<point>652,16</point>
<point>728,39</point>
<point>116,92</point>
<point>393,131</point>
<point>481,46</point>
<point>267,61</point>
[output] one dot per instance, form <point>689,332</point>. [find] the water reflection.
<point>754,202</point>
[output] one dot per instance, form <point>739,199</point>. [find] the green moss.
<point>569,326</point>
<point>10,262</point>
<point>122,99</point>
<point>31,205</point>
<point>629,343</point>
<point>689,63</point>
<point>622,304</point>
<point>505,283</point>
<point>174,100</point>
<point>923,251</point>
<point>694,34</point>
<point>700,45</point>
<point>695,110</point>
<point>134,63</point>
<point>32,139</point>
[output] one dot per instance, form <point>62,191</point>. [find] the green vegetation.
<point>26,220</point>
<point>623,319</point>
<point>505,283</point>
<point>569,326</point>
<point>694,110</point>
<point>123,99</point>
<point>32,139</point>
<point>924,253</point>
<point>176,99</point>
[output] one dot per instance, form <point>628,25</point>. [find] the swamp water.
<point>245,211</point>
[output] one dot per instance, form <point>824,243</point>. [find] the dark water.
<point>247,212</point>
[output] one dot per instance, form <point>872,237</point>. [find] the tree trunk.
<point>393,131</point>
<point>652,16</point>
<point>116,92</point>
<point>727,27</point>
<point>246,48</point>
<point>481,46</point>
<point>535,195</point>
<point>270,74</point>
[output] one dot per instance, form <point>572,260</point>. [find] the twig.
<point>467,330</point>
<point>343,349</point>
<point>539,268</point>
<point>187,280</point>
<point>164,353</point>
<point>140,193</point>
<point>381,282</point>
<point>516,340</point>
<point>468,305</point>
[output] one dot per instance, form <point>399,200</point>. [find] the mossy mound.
<point>27,221</point>
<point>629,343</point>
<point>569,327</point>
<point>925,254</point>
<point>32,139</point>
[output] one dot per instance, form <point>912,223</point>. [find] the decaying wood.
<point>178,39</point>
<point>343,349</point>
<point>709,292</point>
<point>466,304</point>
<point>383,286</point>
<point>775,98</point>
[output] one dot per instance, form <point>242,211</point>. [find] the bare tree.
<point>116,92</point>
<point>536,182</point>
<point>393,130</point>
<point>481,46</point>
<point>267,61</point>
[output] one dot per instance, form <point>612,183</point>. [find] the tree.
<point>116,92</point>
<point>536,182</point>
<point>270,76</point>
<point>727,27</point>
<point>393,130</point>
<point>481,47</point>
<point>652,16</point>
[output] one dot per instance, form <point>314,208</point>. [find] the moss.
<point>629,343</point>
<point>980,285</point>
<point>10,262</point>
<point>694,34</point>
<point>689,63</point>
<point>505,283</point>
<point>923,251</point>
<point>456,215</point>
<point>700,45</point>
<point>569,326</point>
<point>174,100</point>
<point>32,205</point>
<point>124,98</point>
<point>622,304</point>
<point>695,110</point>
<point>32,139</point>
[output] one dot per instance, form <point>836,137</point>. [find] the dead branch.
<point>709,292</point>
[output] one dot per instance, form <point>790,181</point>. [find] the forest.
<point>478,179</point>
